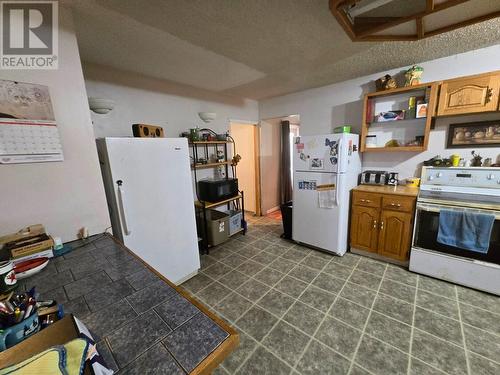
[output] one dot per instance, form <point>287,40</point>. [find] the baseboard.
<point>271,210</point>
<point>186,278</point>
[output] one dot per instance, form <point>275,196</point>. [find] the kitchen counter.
<point>141,322</point>
<point>388,189</point>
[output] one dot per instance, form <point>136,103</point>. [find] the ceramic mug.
<point>455,160</point>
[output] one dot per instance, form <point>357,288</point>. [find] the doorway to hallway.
<point>276,160</point>
<point>246,142</point>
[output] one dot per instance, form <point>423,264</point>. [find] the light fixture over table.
<point>407,20</point>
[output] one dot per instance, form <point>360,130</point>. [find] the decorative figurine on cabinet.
<point>413,75</point>
<point>476,160</point>
<point>385,83</point>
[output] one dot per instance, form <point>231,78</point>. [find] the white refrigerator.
<point>150,197</point>
<point>326,168</point>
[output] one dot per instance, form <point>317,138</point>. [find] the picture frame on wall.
<point>474,134</point>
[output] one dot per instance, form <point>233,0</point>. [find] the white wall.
<point>175,107</point>
<point>324,108</point>
<point>64,196</point>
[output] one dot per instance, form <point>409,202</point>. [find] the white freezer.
<point>152,212</point>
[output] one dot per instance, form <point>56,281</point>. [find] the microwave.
<point>214,190</point>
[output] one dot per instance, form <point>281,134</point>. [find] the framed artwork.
<point>474,134</point>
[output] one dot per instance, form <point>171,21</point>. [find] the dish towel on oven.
<point>465,229</point>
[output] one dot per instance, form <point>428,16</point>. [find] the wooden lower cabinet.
<point>384,230</point>
<point>364,228</point>
<point>395,234</point>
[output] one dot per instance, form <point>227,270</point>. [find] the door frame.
<point>256,140</point>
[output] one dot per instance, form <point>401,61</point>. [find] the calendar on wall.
<point>28,130</point>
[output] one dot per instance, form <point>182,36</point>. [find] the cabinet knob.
<point>382,225</point>
<point>374,224</point>
<point>365,200</point>
<point>396,204</point>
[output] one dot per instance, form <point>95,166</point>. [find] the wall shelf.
<point>405,130</point>
<point>406,120</point>
<point>209,142</point>
<point>210,165</point>
<point>395,149</point>
<point>216,204</point>
<point>202,206</point>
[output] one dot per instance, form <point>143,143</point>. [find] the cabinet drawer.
<point>398,203</point>
<point>366,199</point>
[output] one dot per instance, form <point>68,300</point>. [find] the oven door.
<point>427,226</point>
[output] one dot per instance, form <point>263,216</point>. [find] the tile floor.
<point>142,325</point>
<point>300,311</point>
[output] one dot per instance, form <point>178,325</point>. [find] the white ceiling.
<point>255,49</point>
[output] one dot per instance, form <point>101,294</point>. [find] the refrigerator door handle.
<point>123,210</point>
<point>340,156</point>
<point>337,192</point>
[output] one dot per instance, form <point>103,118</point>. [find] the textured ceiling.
<point>254,49</point>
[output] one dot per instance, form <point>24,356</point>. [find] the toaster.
<point>374,177</point>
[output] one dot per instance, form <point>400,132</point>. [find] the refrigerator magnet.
<point>317,164</point>
<point>303,156</point>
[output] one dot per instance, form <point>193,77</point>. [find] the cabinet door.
<point>364,228</point>
<point>469,95</point>
<point>395,234</point>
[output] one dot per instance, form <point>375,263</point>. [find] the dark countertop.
<point>141,321</point>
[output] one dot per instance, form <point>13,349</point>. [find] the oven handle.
<point>433,208</point>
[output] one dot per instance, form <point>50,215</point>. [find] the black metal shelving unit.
<point>202,206</point>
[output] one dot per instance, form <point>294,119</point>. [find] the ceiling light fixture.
<point>101,106</point>
<point>404,20</point>
<point>207,116</point>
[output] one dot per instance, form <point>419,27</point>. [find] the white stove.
<point>475,189</point>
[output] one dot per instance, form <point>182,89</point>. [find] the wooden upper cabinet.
<point>395,234</point>
<point>469,95</point>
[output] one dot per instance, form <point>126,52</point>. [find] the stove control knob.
<point>439,174</point>
<point>491,176</point>
<point>430,178</point>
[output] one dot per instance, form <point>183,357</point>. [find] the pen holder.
<point>18,332</point>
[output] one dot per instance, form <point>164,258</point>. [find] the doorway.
<point>276,161</point>
<point>246,142</point>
